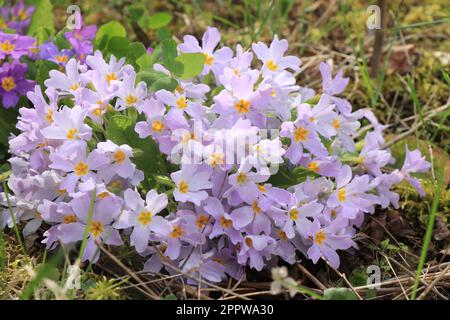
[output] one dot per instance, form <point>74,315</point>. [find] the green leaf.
<point>339,294</point>
<point>144,62</point>
<point>135,51</point>
<point>108,31</point>
<point>136,11</point>
<point>118,46</point>
<point>43,69</point>
<point>193,64</point>
<point>120,129</point>
<point>157,80</point>
<point>42,19</point>
<point>170,297</point>
<point>61,40</point>
<point>159,20</point>
<point>169,53</point>
<point>8,119</point>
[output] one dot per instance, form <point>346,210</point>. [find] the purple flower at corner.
<point>13,83</point>
<point>15,45</point>
<point>17,17</point>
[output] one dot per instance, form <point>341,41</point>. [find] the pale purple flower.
<point>414,162</point>
<point>191,184</point>
<point>351,194</point>
<point>273,56</point>
<point>334,86</point>
<point>223,223</point>
<point>120,162</point>
<point>142,216</point>
<point>253,250</point>
<point>326,240</point>
<point>100,229</point>
<point>78,164</point>
<point>214,59</point>
<point>68,125</point>
<point>130,94</point>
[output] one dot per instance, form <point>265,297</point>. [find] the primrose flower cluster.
<point>233,133</point>
<point>16,48</point>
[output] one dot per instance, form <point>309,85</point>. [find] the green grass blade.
<point>88,224</point>
<point>16,229</point>
<point>429,231</point>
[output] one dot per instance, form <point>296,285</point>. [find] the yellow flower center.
<point>145,218</point>
<point>249,242</point>
<point>183,187</point>
<point>49,116</point>
<point>8,83</point>
<point>81,169</point>
<point>225,223</point>
<point>98,112</point>
<point>256,208</point>
<point>181,103</point>
<point>242,178</point>
<point>70,218</point>
<point>342,195</point>
<point>217,159</point>
<point>242,106</point>
<point>116,184</point>
<point>313,166</point>
<point>202,221</point>
<point>271,65</point>
<point>179,89</point>
<point>282,235</point>
<point>111,76</point>
<point>301,134</point>
<point>130,100</point>
<point>336,124</point>
<point>96,228</point>
<point>103,195</point>
<point>320,237</point>
<point>158,126</point>
<point>61,58</point>
<point>312,119</point>
<point>293,214</point>
<point>333,214</point>
<point>119,157</point>
<point>74,87</point>
<point>209,59</point>
<point>262,188</point>
<point>177,232</point>
<point>22,15</point>
<point>72,134</point>
<point>7,46</point>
